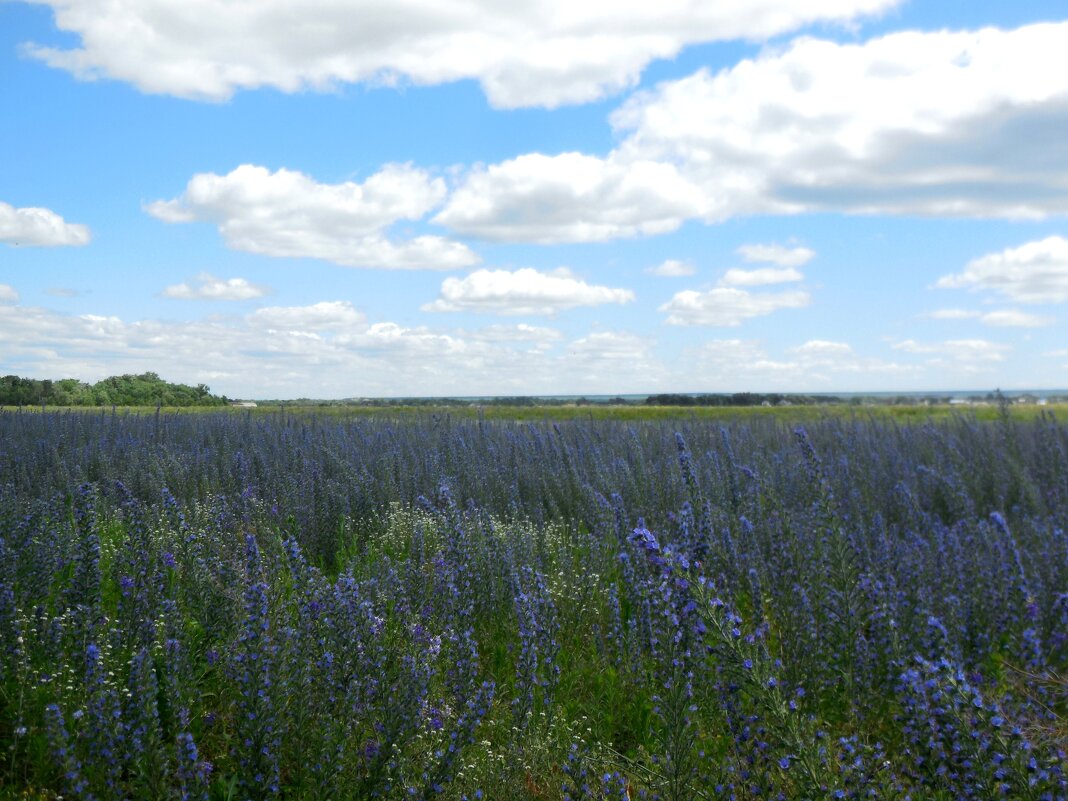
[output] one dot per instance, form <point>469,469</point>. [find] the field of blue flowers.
<point>235,607</point>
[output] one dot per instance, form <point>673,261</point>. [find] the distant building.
<point>243,404</point>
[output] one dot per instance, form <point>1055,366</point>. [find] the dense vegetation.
<point>257,607</point>
<point>147,389</point>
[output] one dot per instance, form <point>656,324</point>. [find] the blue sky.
<point>409,199</point>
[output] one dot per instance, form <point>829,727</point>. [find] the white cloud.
<point>761,276</point>
<point>727,306</point>
<point>537,335</point>
<point>672,268</point>
<point>211,288</point>
<point>335,315</point>
<point>329,350</point>
<point>954,314</point>
<point>8,294</point>
<point>941,123</point>
<point>544,54</point>
<point>777,254</point>
<point>1002,318</point>
<point>611,346</point>
<point>618,359</point>
<point>326,350</point>
<point>823,350</point>
<point>287,214</point>
<point>744,364</point>
<point>524,291</point>
<point>960,124</point>
<point>570,197</point>
<point>34,227</point>
<point>963,355</point>
<point>1036,272</point>
<point>730,355</point>
<point>323,350</point>
<point>785,259</point>
<point>1014,318</point>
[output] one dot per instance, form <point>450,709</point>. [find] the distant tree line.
<point>739,399</point>
<point>147,389</point>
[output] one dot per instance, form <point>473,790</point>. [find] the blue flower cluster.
<point>299,606</point>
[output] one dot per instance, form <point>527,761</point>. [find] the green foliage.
<point>146,389</point>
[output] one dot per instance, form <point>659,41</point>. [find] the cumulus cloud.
<point>524,291</point>
<point>729,355</point>
<point>330,350</point>
<point>335,315</point>
<point>1036,272</point>
<point>1002,318</point>
<point>979,348</point>
<point>8,294</point>
<point>542,54</point>
<point>611,346</point>
<point>957,124</point>
<point>327,350</point>
<point>288,214</point>
<point>823,350</point>
<point>728,306</point>
<point>761,276</point>
<point>779,255</point>
<point>1014,318</point>
<point>953,314</point>
<point>209,287</point>
<point>34,227</point>
<point>963,355</point>
<point>814,363</point>
<point>942,123</point>
<point>785,259</point>
<point>536,335</point>
<point>671,268</point>
<point>615,359</point>
<point>570,197</point>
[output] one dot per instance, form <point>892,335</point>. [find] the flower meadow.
<point>231,606</point>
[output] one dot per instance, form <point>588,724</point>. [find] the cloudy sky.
<point>364,198</point>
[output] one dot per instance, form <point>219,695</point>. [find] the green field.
<point>788,414</point>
